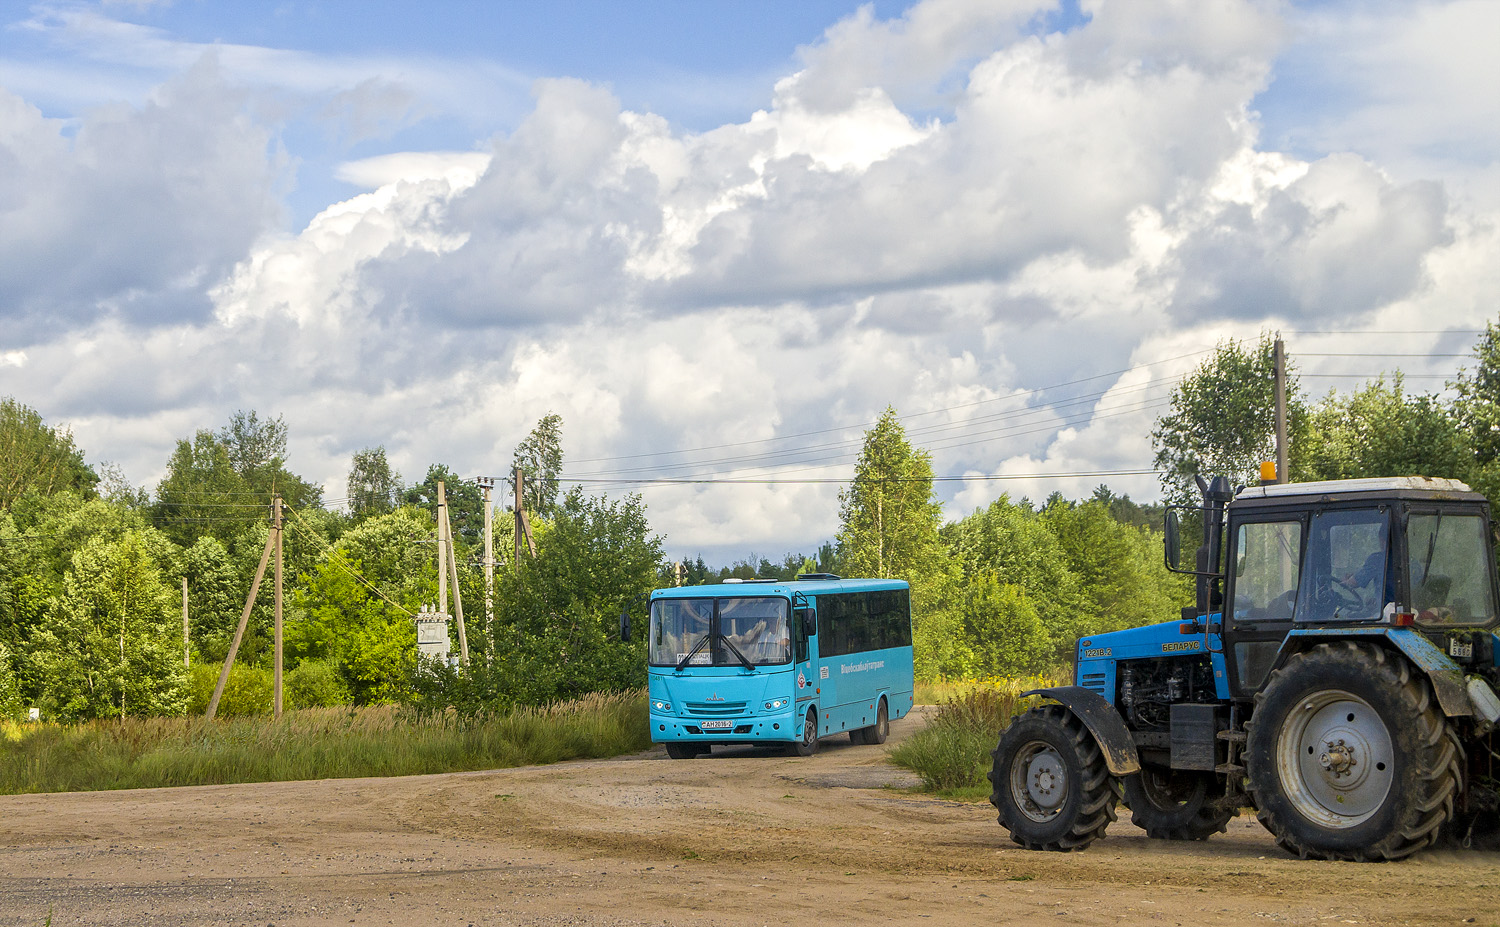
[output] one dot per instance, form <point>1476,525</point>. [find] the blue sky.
<point>720,238</point>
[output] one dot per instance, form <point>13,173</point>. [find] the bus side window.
<point>799,634</point>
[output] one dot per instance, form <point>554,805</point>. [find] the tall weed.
<point>952,753</point>
<point>312,743</point>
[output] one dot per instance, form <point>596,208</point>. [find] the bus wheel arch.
<point>807,744</point>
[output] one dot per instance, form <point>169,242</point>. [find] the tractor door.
<point>1265,558</point>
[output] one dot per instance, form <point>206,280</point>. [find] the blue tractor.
<point>1337,674</point>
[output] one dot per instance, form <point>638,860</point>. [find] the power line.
<point>967,405</point>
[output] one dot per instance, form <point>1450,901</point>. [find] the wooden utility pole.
<point>487,485</point>
<point>458,599</point>
<point>239,632</point>
<point>276,533</point>
<point>184,623</point>
<point>523,524</point>
<point>1279,360</point>
<point>442,560</point>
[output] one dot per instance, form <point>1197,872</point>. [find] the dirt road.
<point>739,838</point>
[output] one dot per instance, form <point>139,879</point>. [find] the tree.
<point>36,457</point>
<point>1379,430</point>
<point>540,458</point>
<point>1014,545</point>
<point>1006,636</point>
<point>374,487</point>
<point>110,645</point>
<point>888,516</point>
<point>556,636</point>
<point>1222,420</point>
<point>465,501</point>
<point>1476,409</point>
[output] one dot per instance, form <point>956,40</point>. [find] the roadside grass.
<point>312,743</point>
<point>952,753</point>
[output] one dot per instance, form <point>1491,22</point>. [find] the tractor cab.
<point>1400,552</point>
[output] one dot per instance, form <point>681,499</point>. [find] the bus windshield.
<point>720,632</point>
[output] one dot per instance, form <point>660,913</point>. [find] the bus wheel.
<point>880,730</point>
<point>808,745</point>
<point>683,751</point>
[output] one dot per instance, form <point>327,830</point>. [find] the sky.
<point>720,239</point>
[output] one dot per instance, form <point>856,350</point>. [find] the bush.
<point>952,754</point>
<point>314,684</point>
<point>11,708</point>
<point>248,691</point>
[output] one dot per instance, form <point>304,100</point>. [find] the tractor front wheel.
<point>1349,757</point>
<point>1051,786</point>
<point>1175,804</point>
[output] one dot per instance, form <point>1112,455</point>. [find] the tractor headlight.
<point>660,705</point>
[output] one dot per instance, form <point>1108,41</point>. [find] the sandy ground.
<point>743,837</point>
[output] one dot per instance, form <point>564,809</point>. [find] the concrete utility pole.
<point>487,485</point>
<point>442,549</point>
<point>1278,356</point>
<point>276,533</point>
<point>184,623</point>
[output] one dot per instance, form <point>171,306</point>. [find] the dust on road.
<point>744,837</point>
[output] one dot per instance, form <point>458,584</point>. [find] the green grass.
<point>952,754</point>
<point>313,743</point>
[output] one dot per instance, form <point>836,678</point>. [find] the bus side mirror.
<point>625,626</point>
<point>1170,539</point>
<point>808,621</point>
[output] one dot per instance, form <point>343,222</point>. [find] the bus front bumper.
<point>779,727</point>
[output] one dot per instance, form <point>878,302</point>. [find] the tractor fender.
<point>1446,676</point>
<point>1102,721</point>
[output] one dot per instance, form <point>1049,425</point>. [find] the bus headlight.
<point>776,704</point>
<point>660,705</point>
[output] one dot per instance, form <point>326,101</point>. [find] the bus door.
<point>805,652</point>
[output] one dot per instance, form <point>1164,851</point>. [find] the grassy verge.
<point>314,743</point>
<point>952,754</point>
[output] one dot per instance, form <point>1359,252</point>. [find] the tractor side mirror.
<point>1171,540</point>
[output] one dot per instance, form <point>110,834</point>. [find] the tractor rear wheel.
<point>1051,786</point>
<point>1176,804</point>
<point>1349,756</point>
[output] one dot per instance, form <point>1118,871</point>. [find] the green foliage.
<point>1222,420</point>
<point>314,684</point>
<point>1005,632</point>
<point>248,691</point>
<point>35,457</point>
<point>374,488</point>
<point>540,458</point>
<point>465,502</point>
<point>315,743</point>
<point>952,753</point>
<point>1379,430</point>
<point>108,647</point>
<point>888,516</point>
<point>11,705</point>
<point>556,633</point>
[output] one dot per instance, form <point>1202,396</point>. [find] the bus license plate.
<point>723,725</point>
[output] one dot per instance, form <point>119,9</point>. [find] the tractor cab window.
<point>1448,568</point>
<point>1268,560</point>
<point>1346,577</point>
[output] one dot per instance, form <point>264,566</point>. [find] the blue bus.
<point>768,662</point>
